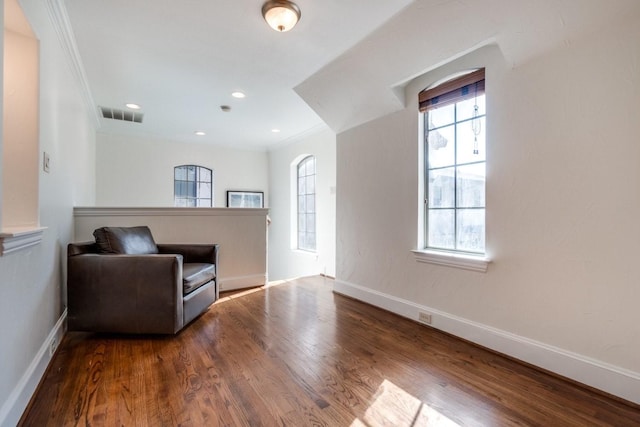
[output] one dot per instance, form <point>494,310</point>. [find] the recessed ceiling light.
<point>133,106</point>
<point>275,130</point>
<point>200,133</point>
<point>238,95</point>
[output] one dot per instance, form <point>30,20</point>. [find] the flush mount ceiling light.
<point>133,106</point>
<point>281,15</point>
<point>238,95</point>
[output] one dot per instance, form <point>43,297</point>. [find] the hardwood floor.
<point>296,354</point>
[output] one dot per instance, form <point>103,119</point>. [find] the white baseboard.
<point>18,400</point>
<point>241,282</point>
<point>594,373</point>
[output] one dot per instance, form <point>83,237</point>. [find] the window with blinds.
<point>454,115</point>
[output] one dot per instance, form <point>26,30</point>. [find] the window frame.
<point>302,163</point>
<point>452,91</point>
<point>197,180</point>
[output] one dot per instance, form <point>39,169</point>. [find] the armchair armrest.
<point>192,252</point>
<point>125,293</point>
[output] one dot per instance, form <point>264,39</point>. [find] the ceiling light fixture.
<point>200,133</point>
<point>281,15</point>
<point>238,95</point>
<point>275,130</point>
<point>132,106</point>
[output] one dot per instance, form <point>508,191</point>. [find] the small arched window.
<point>193,186</point>
<point>307,204</point>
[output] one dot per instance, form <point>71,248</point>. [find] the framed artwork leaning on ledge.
<point>245,199</point>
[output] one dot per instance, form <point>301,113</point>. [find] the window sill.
<point>466,262</point>
<point>17,238</point>
<point>305,253</point>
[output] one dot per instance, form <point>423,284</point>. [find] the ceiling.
<point>369,80</point>
<point>181,60</point>
<point>346,62</point>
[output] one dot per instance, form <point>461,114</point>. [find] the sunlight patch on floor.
<point>227,295</point>
<point>237,294</point>
<point>395,407</point>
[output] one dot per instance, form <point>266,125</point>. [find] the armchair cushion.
<point>125,240</point>
<point>196,274</point>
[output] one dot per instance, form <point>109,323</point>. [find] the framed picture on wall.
<point>245,199</point>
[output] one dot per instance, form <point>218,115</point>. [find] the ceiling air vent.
<point>116,114</point>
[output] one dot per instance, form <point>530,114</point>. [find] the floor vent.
<point>116,114</point>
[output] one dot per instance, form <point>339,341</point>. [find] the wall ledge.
<point>82,211</point>
<point>13,239</point>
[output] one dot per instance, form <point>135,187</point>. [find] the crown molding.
<point>62,26</point>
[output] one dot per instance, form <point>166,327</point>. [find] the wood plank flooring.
<point>296,354</point>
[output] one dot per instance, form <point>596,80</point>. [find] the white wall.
<point>31,281</point>
<point>20,130</point>
<point>284,262</point>
<point>563,196</point>
<point>138,171</point>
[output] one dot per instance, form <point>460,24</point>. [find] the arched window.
<point>307,204</point>
<point>193,186</point>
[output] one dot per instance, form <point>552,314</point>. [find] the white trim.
<point>62,25</point>
<point>91,211</point>
<point>17,402</point>
<point>15,239</point>
<point>241,282</point>
<point>449,259</point>
<point>600,375</point>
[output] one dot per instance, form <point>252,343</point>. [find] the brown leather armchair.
<point>126,283</point>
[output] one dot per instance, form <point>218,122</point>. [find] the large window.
<point>455,157</point>
<point>307,204</point>
<point>193,186</point>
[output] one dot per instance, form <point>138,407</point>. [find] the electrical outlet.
<point>52,346</point>
<point>424,317</point>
